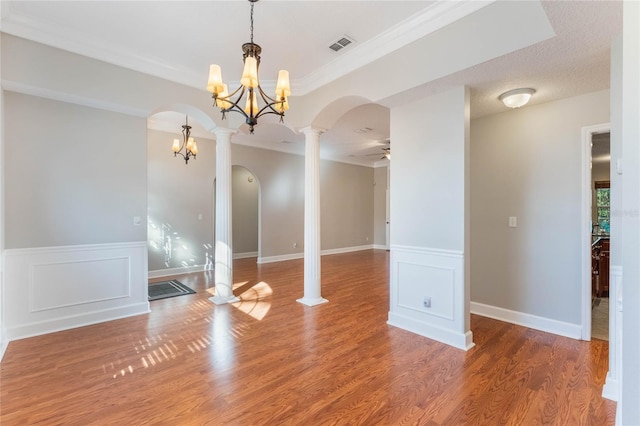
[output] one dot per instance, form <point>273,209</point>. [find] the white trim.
<point>93,302</point>
<point>4,342</point>
<point>462,341</point>
<point>74,321</point>
<point>612,385</point>
<point>432,18</point>
<point>27,89</point>
<point>585,222</point>
<point>446,321</point>
<point>69,249</point>
<point>327,252</point>
<point>280,258</point>
<point>428,250</point>
<point>417,26</point>
<point>380,247</point>
<point>169,272</point>
<point>245,255</point>
<point>547,325</point>
<point>610,389</point>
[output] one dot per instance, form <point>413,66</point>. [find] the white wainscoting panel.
<point>56,288</point>
<point>417,273</point>
<point>611,389</point>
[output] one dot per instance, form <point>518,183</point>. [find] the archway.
<point>179,207</point>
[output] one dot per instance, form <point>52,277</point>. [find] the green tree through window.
<point>603,197</point>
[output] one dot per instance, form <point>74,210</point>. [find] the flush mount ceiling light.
<point>249,84</point>
<point>188,144</point>
<point>516,98</point>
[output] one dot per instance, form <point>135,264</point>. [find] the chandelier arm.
<point>269,103</point>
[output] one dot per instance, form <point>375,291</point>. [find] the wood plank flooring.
<point>272,361</point>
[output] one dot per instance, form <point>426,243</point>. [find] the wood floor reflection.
<point>269,360</point>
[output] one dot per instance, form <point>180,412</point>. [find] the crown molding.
<point>419,25</point>
<point>436,16</point>
<point>26,89</point>
<point>23,26</point>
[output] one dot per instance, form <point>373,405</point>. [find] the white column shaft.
<point>312,284</point>
<point>223,269</point>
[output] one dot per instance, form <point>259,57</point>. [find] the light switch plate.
<point>513,221</point>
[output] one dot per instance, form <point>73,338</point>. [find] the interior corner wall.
<point>380,206</point>
<point>429,191</point>
<point>525,163</point>
<point>346,200</point>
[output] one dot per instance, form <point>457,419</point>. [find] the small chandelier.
<point>249,84</point>
<point>188,144</point>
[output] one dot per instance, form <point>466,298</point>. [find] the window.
<point>603,197</point>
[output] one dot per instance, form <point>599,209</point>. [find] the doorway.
<point>600,233</point>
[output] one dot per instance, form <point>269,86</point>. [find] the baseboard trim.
<point>327,252</point>
<point>245,255</point>
<point>611,388</point>
<point>76,321</point>
<point>462,341</point>
<point>169,272</point>
<point>547,325</point>
<point>280,258</point>
<point>342,250</point>
<point>380,247</point>
<point>4,342</point>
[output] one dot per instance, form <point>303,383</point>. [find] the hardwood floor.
<point>271,361</point>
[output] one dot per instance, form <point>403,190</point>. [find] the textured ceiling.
<point>178,39</point>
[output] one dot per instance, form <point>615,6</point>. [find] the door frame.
<point>585,225</point>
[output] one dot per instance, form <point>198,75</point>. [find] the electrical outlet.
<point>426,302</point>
<point>295,245</point>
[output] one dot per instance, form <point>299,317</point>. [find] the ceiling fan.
<point>386,151</point>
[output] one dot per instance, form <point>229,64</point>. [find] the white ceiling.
<point>177,40</point>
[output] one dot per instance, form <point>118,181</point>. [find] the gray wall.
<point>380,206</point>
<point>244,193</point>
<point>77,175</point>
<point>178,193</point>
<point>527,163</point>
<point>428,175</point>
<point>346,205</point>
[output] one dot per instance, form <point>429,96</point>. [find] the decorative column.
<point>312,295</point>
<point>223,269</point>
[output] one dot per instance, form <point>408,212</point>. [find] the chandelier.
<point>250,86</point>
<point>188,144</point>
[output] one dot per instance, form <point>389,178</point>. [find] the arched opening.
<point>179,205</point>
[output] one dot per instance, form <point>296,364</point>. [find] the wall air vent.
<point>342,43</point>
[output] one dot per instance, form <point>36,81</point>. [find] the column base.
<point>218,300</point>
<point>312,301</point>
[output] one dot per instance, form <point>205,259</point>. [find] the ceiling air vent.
<point>341,44</point>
